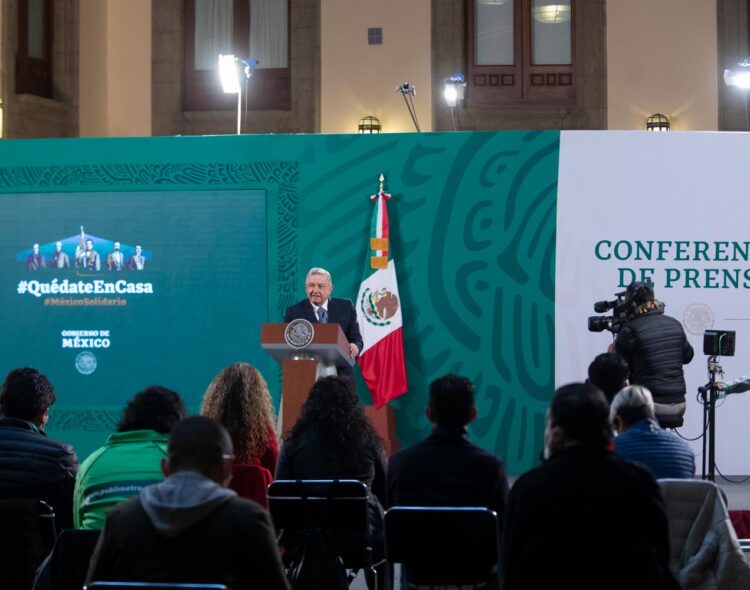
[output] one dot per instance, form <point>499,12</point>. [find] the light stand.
<point>716,343</point>
<point>409,90</point>
<point>709,395</point>
<point>453,93</point>
<point>229,72</point>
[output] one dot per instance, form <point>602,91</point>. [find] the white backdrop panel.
<point>679,189</point>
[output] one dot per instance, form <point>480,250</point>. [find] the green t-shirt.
<point>128,462</point>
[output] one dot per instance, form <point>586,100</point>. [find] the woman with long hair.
<point>333,439</point>
<point>238,399</point>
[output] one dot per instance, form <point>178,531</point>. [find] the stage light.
<point>369,124</point>
<point>229,72</point>
<point>739,75</point>
<point>551,14</point>
<point>231,69</point>
<point>657,122</point>
<point>453,89</point>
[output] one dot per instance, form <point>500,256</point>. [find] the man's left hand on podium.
<point>353,350</point>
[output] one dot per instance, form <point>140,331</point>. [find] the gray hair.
<point>315,270</point>
<point>631,404</point>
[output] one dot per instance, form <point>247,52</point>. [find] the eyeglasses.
<point>320,286</point>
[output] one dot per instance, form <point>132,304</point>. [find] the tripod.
<point>709,394</point>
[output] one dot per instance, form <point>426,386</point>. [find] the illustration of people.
<point>35,260</point>
<point>59,258</point>
<point>116,259</point>
<point>89,258</point>
<point>136,261</point>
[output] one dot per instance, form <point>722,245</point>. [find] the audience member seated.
<point>609,372</point>
<point>130,458</point>
<point>642,440</point>
<point>334,440</point>
<point>445,469</point>
<point>238,399</point>
<point>585,518</point>
<point>190,527</point>
<point>32,465</point>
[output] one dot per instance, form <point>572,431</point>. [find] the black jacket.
<point>586,519</point>
<point>34,466</point>
<point>313,456</point>
<point>656,347</point>
<point>445,469</point>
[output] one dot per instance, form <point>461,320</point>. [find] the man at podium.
<point>320,307</point>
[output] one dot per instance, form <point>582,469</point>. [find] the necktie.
<point>322,315</point>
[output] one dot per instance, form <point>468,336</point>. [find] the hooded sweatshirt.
<point>182,500</point>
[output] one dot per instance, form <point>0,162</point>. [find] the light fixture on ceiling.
<point>551,14</point>
<point>657,122</point>
<point>493,2</point>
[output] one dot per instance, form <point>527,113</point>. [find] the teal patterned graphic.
<point>472,234</point>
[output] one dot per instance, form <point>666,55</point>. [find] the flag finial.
<point>382,179</point>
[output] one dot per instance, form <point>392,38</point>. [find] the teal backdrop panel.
<point>473,237</point>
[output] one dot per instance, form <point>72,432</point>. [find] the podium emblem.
<point>299,333</point>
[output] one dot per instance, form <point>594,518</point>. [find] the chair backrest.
<point>302,510</point>
<point>443,545</point>
<point>251,481</point>
<point>27,534</point>
<point>152,586</point>
<point>68,564</point>
<point>339,506</point>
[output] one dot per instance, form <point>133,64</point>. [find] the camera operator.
<point>655,347</point>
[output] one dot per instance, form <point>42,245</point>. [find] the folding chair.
<point>336,507</point>
<point>444,546</point>
<point>152,586</point>
<point>27,534</point>
<point>66,567</point>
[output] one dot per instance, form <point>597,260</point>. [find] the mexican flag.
<point>379,314</point>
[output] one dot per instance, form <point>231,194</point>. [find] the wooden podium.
<point>302,367</point>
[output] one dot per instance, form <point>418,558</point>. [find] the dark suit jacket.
<point>445,469</point>
<point>341,312</point>
<point>233,545</point>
